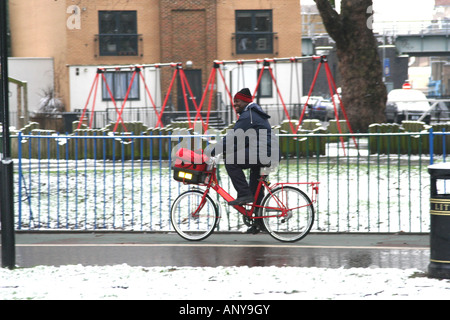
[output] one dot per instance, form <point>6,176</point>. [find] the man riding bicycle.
<point>250,145</point>
<point>286,212</point>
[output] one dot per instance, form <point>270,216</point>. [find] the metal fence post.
<point>19,191</point>
<point>431,143</point>
<point>7,168</point>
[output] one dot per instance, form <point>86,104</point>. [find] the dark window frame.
<point>252,40</point>
<point>117,36</point>
<point>265,77</point>
<point>119,92</point>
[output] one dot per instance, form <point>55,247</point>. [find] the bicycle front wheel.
<point>194,215</point>
<point>297,219</point>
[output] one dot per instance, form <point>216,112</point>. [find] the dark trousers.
<point>237,176</point>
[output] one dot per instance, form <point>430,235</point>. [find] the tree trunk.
<point>363,91</point>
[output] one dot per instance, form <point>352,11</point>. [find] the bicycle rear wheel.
<point>299,217</point>
<point>194,215</point>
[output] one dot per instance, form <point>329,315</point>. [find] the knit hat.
<point>244,95</point>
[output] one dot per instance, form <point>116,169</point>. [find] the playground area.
<point>275,84</point>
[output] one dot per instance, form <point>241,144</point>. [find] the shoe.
<point>253,229</point>
<point>241,200</point>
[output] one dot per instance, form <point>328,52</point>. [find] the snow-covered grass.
<point>77,282</point>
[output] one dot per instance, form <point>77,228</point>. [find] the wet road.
<point>223,249</point>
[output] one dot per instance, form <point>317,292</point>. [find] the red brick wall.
<point>188,32</point>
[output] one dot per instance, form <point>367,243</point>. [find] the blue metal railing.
<point>75,182</point>
<point>103,182</point>
<point>432,135</point>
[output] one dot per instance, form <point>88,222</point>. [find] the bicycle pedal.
<point>247,221</point>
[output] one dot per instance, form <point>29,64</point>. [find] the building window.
<point>118,33</point>
<point>265,86</point>
<point>118,82</point>
<point>254,31</point>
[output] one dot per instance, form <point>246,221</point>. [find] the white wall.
<point>39,75</point>
<point>288,77</point>
<point>82,82</point>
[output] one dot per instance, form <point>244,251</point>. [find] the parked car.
<point>319,108</point>
<point>312,102</point>
<point>323,110</point>
<point>440,110</point>
<point>407,104</point>
<point>330,114</point>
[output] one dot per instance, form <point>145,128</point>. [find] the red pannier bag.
<point>189,166</point>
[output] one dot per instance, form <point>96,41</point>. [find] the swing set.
<point>216,72</point>
<point>331,85</point>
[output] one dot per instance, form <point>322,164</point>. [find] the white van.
<point>407,104</point>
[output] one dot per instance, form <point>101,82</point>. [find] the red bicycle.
<point>286,212</point>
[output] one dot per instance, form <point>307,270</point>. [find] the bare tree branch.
<point>363,91</point>
<point>330,18</point>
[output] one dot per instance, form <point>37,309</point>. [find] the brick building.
<point>82,35</point>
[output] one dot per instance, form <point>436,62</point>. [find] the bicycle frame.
<point>213,183</point>
<point>291,209</point>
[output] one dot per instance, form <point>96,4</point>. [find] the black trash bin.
<point>69,117</point>
<point>439,266</point>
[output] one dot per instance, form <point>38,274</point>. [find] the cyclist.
<point>250,145</point>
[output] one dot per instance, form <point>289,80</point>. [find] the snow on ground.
<point>77,282</point>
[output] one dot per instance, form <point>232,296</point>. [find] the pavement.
<point>322,250</point>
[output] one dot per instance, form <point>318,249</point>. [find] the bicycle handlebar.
<point>212,161</point>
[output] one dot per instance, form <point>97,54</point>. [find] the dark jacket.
<point>251,138</point>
